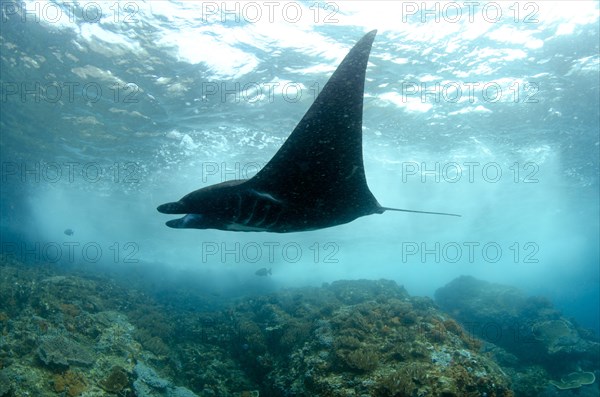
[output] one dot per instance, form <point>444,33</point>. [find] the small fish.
<point>69,232</point>
<point>263,272</point>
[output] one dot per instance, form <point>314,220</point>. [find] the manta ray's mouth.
<point>191,219</point>
<point>188,221</point>
<point>174,223</point>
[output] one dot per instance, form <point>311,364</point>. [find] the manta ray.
<point>316,179</point>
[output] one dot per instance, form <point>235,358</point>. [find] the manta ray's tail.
<point>418,212</point>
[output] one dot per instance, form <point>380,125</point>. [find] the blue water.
<point>109,110</point>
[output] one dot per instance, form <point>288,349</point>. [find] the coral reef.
<point>72,383</point>
<point>361,360</point>
<point>4,384</point>
<point>116,380</point>
<point>149,376</point>
<point>375,340</point>
<point>557,336</point>
<point>68,334</point>
<point>60,351</point>
<point>574,380</point>
<point>247,393</point>
<point>150,384</point>
<point>526,335</point>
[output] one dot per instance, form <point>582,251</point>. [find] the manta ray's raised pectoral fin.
<point>322,160</point>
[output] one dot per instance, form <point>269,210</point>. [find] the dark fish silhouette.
<point>315,180</point>
<point>263,272</point>
<point>69,232</point>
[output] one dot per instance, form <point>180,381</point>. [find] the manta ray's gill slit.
<point>276,220</point>
<point>265,195</point>
<point>261,212</point>
<point>262,220</point>
<point>246,221</point>
<point>238,214</point>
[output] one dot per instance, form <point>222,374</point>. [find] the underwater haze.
<point>488,110</point>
